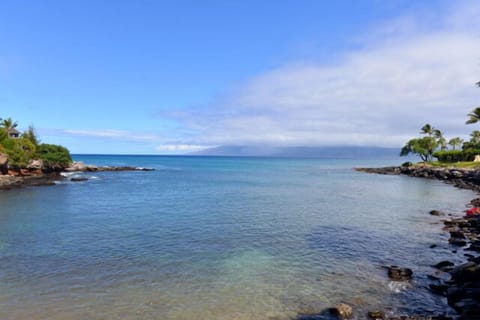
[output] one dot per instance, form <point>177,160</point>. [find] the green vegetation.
<point>455,142</point>
<point>423,147</point>
<point>434,145</point>
<point>54,155</point>
<point>27,147</point>
<point>460,165</point>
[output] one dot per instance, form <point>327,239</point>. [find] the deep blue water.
<point>220,238</point>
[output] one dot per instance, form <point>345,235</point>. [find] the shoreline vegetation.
<point>26,162</point>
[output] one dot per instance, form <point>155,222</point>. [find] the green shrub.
<point>54,155</point>
<point>456,155</point>
<point>469,154</point>
<point>3,135</point>
<point>407,164</point>
<point>20,151</point>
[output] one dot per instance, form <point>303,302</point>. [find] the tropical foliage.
<point>474,116</point>
<point>54,155</point>
<point>423,147</point>
<point>455,142</point>
<point>434,144</point>
<point>21,151</point>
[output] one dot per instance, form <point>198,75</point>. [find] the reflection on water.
<point>219,238</point>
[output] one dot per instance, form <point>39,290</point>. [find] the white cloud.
<point>180,148</point>
<point>113,134</point>
<point>411,72</point>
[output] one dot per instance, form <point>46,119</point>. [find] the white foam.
<point>68,174</point>
<point>397,286</point>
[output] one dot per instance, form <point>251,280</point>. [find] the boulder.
<point>78,179</point>
<point>399,274</point>
<point>343,310</point>
<point>467,272</point>
<point>376,315</point>
<point>437,213</point>
<point>35,164</point>
<point>475,202</point>
<point>444,265</point>
<point>460,242</point>
<point>76,166</point>
<point>440,289</point>
<point>477,158</point>
<point>3,163</point>
<point>457,234</point>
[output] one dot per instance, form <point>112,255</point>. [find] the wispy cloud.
<point>180,148</point>
<point>416,69</point>
<point>113,134</point>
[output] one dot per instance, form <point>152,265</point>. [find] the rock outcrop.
<point>3,163</point>
<point>37,173</point>
<point>465,178</point>
<point>81,167</point>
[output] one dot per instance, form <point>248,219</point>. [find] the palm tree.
<point>8,124</point>
<point>427,129</point>
<point>475,137</point>
<point>474,116</point>
<point>454,142</point>
<point>442,142</point>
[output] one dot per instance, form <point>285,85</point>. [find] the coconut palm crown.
<point>474,116</point>
<point>8,124</point>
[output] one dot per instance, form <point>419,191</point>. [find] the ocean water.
<point>221,238</point>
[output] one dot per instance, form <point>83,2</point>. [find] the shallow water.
<point>220,238</point>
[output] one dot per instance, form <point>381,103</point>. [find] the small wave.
<point>68,174</point>
<point>397,286</point>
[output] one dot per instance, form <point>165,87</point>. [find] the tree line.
<point>434,144</point>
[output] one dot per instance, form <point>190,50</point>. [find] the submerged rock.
<point>376,315</point>
<point>437,213</point>
<point>78,179</point>
<point>399,274</point>
<point>457,242</point>
<point>343,310</point>
<point>444,265</point>
<point>467,272</point>
<point>440,289</point>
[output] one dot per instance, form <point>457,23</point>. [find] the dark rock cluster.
<point>458,282</point>
<point>461,178</point>
<point>462,290</point>
<point>38,174</point>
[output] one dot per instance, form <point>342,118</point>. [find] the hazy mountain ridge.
<point>342,152</point>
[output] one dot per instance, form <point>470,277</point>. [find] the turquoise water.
<point>220,238</point>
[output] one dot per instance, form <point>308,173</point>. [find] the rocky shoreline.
<point>459,283</point>
<point>45,176</point>
<point>459,177</point>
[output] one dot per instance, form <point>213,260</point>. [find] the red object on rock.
<point>472,211</point>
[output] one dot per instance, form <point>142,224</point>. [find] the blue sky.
<point>173,77</point>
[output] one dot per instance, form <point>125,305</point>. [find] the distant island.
<point>328,152</point>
